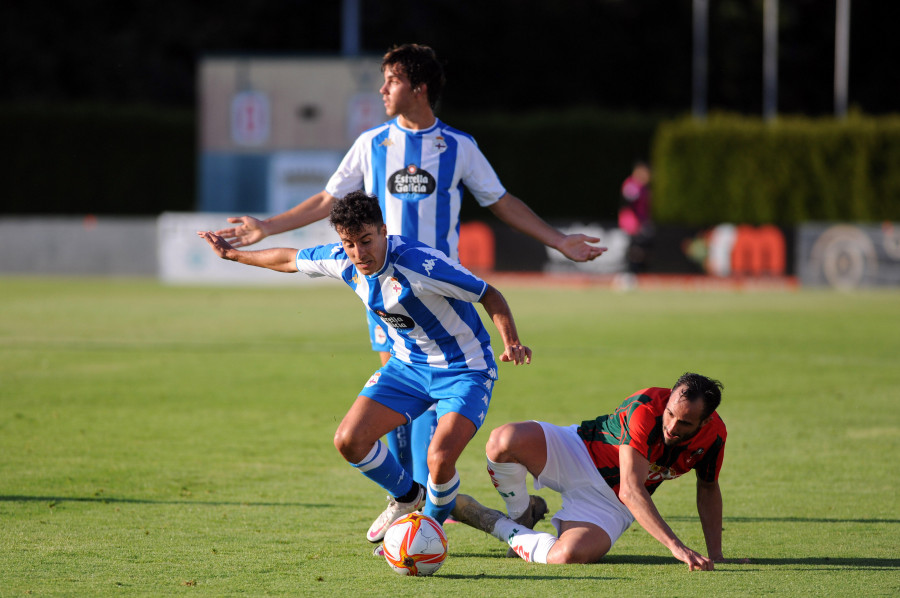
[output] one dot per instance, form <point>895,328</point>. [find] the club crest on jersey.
<point>440,144</point>
<point>412,180</point>
<point>398,321</point>
<point>373,380</point>
<point>395,285</point>
<point>657,473</point>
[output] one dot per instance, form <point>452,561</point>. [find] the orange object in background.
<point>476,246</point>
<point>758,251</point>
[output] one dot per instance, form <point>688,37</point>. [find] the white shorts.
<point>585,494</point>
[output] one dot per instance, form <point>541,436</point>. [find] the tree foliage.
<point>500,55</point>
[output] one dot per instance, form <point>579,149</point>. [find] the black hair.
<point>355,211</point>
<point>420,65</point>
<point>701,387</point>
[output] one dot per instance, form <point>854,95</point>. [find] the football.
<point>415,545</point>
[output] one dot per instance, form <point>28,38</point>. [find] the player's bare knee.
<point>343,442</point>
<point>441,468</point>
<point>499,444</point>
<point>504,441</point>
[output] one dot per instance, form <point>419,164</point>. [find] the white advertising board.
<point>613,260</point>
<point>186,259</point>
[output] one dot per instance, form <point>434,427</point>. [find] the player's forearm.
<point>516,214</point>
<point>641,505</point>
<point>498,310</point>
<point>281,259</point>
<point>317,207</point>
<point>709,507</point>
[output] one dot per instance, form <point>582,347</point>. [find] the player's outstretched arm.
<point>251,230</point>
<point>281,259</point>
<point>498,309</point>
<point>709,507</point>
<point>634,468</point>
<point>516,213</point>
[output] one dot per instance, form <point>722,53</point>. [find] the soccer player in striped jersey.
<point>441,352</point>
<point>606,470</point>
<point>417,166</point>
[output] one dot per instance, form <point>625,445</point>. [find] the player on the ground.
<point>440,354</point>
<point>606,469</point>
<point>417,166</point>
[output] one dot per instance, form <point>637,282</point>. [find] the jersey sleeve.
<point>709,467</point>
<point>431,271</point>
<point>479,177</point>
<point>350,175</point>
<point>637,429</point>
<point>324,260</point>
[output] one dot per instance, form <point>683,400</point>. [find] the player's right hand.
<point>249,232</point>
<point>218,244</point>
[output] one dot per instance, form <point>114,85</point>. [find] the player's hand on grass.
<point>249,232</point>
<point>518,354</point>
<point>693,559</point>
<point>222,248</point>
<point>578,248</point>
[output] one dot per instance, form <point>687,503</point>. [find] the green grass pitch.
<point>159,441</point>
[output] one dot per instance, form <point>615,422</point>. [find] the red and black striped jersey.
<point>638,423</point>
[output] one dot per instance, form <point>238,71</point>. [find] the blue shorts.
<point>410,390</point>
<point>378,333</point>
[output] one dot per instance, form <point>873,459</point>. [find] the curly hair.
<point>701,387</point>
<point>355,211</point>
<point>420,65</point>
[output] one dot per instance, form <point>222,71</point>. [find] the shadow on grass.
<point>799,562</point>
<point>788,519</point>
<point>58,500</point>
<point>566,577</point>
<point>810,562</point>
<point>802,562</point>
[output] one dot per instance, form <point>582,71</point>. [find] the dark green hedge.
<point>91,159</point>
<point>565,164</point>
<point>791,170</point>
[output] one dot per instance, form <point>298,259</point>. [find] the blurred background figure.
<point>634,216</point>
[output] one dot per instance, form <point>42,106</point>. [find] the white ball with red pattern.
<point>415,545</point>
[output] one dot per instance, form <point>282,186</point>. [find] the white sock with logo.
<point>509,480</point>
<point>530,545</point>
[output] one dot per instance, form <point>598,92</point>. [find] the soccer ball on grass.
<point>415,545</point>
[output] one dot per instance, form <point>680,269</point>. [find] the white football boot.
<point>394,511</point>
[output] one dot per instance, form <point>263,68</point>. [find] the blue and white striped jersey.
<point>418,178</point>
<point>424,298</point>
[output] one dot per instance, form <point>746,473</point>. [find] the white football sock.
<point>530,545</point>
<point>509,480</point>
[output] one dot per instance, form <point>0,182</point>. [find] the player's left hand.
<point>518,354</point>
<point>578,248</point>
